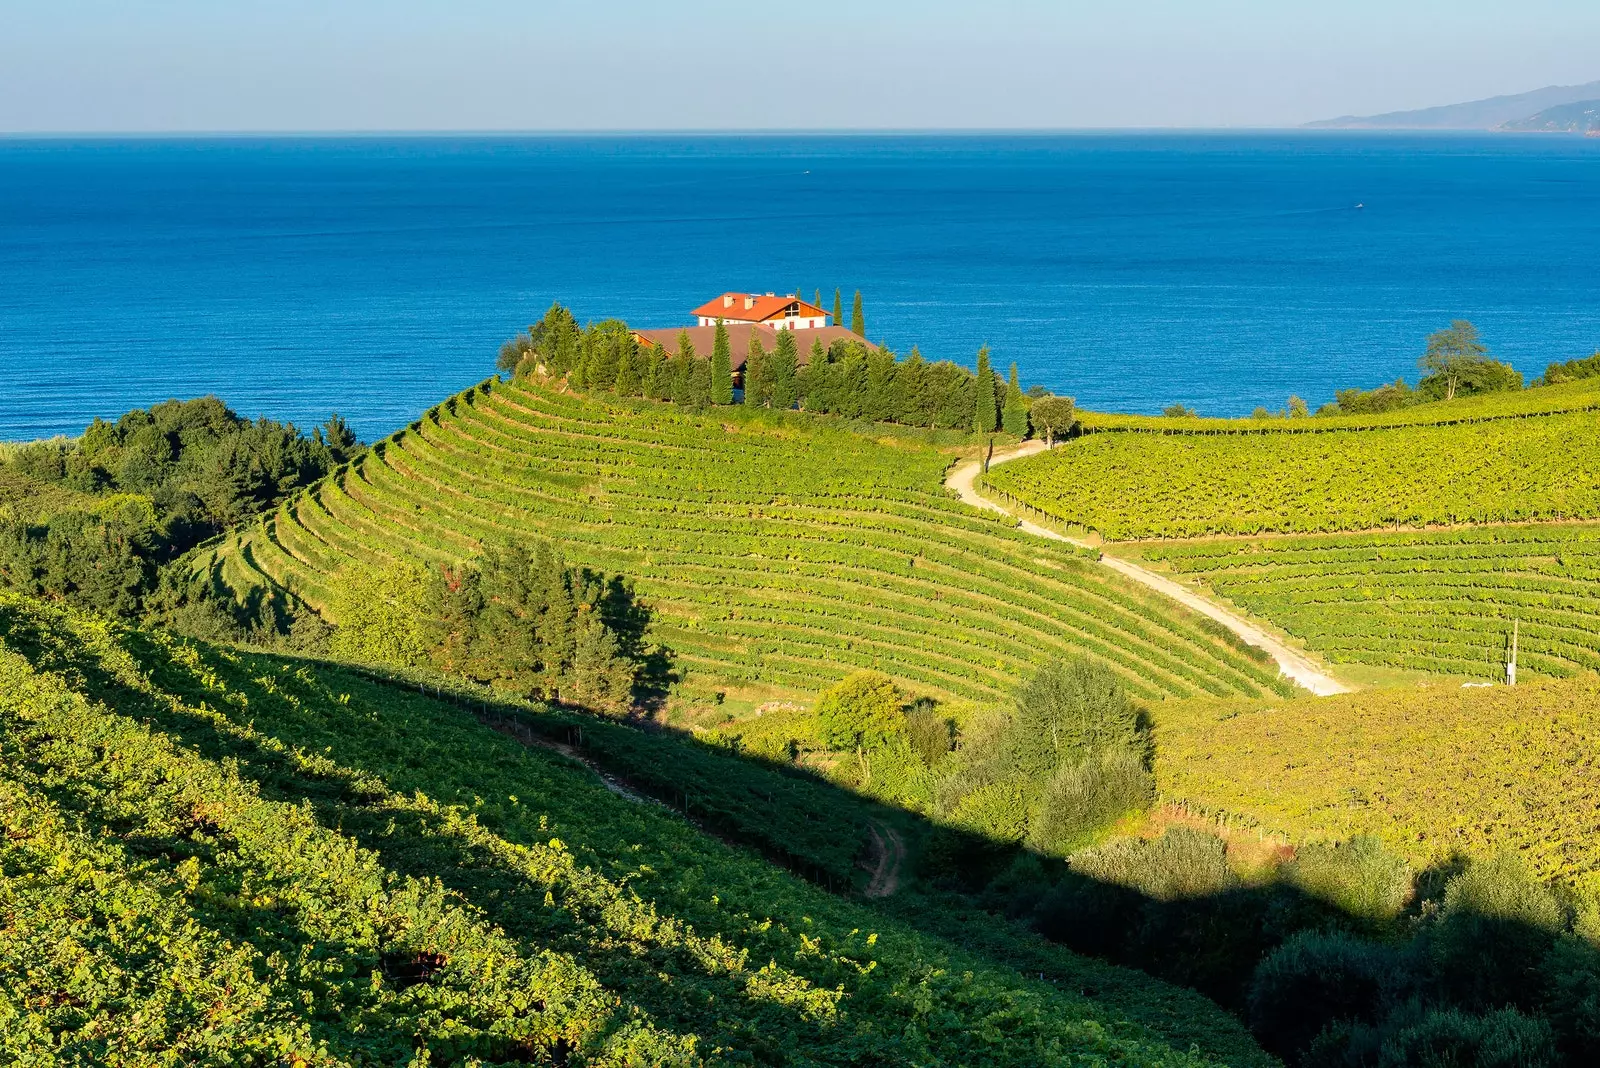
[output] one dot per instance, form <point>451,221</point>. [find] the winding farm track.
<point>963,478</point>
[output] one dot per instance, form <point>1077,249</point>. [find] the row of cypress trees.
<point>848,378</point>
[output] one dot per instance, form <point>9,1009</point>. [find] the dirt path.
<point>888,854</point>
<point>962,479</point>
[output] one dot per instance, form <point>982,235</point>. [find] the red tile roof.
<point>763,307</point>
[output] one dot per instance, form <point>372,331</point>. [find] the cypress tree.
<point>721,367</point>
<point>838,308</point>
<point>683,369</point>
<point>879,401</point>
<point>906,404</point>
<point>858,324</point>
<point>1015,417</point>
<point>984,416</point>
<point>700,384</point>
<point>756,389</point>
<point>628,382</point>
<point>651,377</point>
<point>781,371</point>
<point>818,300</point>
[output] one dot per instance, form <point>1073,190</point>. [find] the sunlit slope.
<point>774,548</point>
<point>1434,771</point>
<point>1495,459</point>
<point>1444,601</point>
<point>211,853</point>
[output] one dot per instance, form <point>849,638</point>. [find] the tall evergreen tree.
<point>683,362</point>
<point>721,367</point>
<point>756,388</point>
<point>653,378</point>
<point>838,307</point>
<point>818,300</point>
<point>858,324</point>
<point>700,384</point>
<point>781,369</point>
<point>1015,416</point>
<point>984,416</point>
<point>628,383</point>
<point>907,403</point>
<point>878,403</point>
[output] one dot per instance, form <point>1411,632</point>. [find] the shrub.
<point>1451,1039</point>
<point>380,615</point>
<point>1572,998</point>
<point>1497,924</point>
<point>1082,800</point>
<point>1069,711</point>
<point>1182,863</point>
<point>863,711</point>
<point>998,811</point>
<point>1313,980</point>
<point>932,736</point>
<point>1357,877</point>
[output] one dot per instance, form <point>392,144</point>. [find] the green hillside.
<point>1505,457</point>
<point>1441,601</point>
<point>213,856</point>
<point>776,549</point>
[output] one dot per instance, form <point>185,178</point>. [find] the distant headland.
<point>1553,109</point>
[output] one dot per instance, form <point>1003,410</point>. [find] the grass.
<point>778,551</point>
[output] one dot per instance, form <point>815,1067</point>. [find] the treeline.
<point>95,520</point>
<point>848,378</point>
<point>518,618</point>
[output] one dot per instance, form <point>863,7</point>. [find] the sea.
<point>298,276</point>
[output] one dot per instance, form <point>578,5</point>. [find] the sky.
<point>135,66</point>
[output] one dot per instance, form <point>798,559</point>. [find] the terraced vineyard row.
<point>1436,601</point>
<point>1151,485</point>
<point>773,548</point>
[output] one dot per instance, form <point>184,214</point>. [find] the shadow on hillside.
<point>1415,988</point>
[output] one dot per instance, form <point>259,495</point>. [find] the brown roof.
<point>763,308</point>
<point>703,337</point>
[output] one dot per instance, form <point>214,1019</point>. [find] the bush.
<point>1572,998</point>
<point>1313,980</point>
<point>1443,1039</point>
<point>1182,863</point>
<point>932,736</point>
<point>862,712</point>
<point>1497,924</point>
<point>1069,711</point>
<point>380,615</point>
<point>1357,877</point>
<point>1082,800</point>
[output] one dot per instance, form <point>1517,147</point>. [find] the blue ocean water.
<point>297,276</point>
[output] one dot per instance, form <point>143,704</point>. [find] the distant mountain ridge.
<point>1495,113</point>
<point>1582,117</point>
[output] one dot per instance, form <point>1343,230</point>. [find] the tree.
<point>1452,353</point>
<point>756,388</point>
<point>818,300</point>
<point>781,371</point>
<point>1054,417</point>
<point>1015,417</point>
<point>1178,411</point>
<point>700,384</point>
<point>908,400</point>
<point>1297,408</point>
<point>984,416</point>
<point>721,367</point>
<point>858,324</point>
<point>838,307</point>
<point>338,438</point>
<point>1069,711</point>
<point>862,712</point>
<point>628,382</point>
<point>683,362</point>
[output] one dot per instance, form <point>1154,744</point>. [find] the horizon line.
<point>710,131</point>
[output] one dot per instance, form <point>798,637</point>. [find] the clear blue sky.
<point>223,65</point>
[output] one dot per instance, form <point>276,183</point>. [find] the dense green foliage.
<point>94,520</point>
<point>1441,601</point>
<point>848,378</point>
<point>772,548</point>
<point>1572,370</point>
<point>304,866</point>
<point>1150,485</point>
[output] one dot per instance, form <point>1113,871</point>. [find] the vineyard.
<point>775,549</point>
<point>1441,601</point>
<point>1178,485</point>
<point>1434,771</point>
<point>217,856</point>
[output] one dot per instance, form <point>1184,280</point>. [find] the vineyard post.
<point>1511,662</point>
